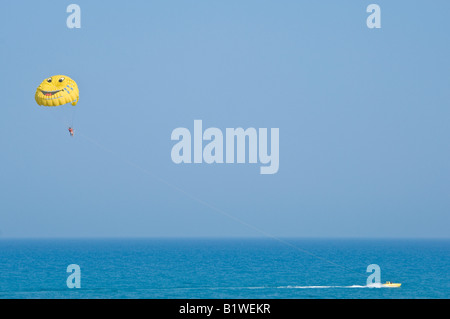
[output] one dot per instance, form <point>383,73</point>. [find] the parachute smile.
<point>50,93</point>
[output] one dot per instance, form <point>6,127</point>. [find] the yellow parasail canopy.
<point>57,90</point>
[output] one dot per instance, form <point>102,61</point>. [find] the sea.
<point>219,268</point>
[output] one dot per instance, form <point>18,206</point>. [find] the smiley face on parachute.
<point>57,90</point>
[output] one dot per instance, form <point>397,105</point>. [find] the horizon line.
<point>224,237</point>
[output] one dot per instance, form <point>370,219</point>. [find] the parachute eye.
<point>49,80</point>
<point>61,79</point>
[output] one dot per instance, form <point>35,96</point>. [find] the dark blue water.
<point>223,268</point>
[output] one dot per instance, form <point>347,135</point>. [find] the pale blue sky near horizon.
<point>363,116</point>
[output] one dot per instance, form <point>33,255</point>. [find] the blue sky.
<point>363,117</point>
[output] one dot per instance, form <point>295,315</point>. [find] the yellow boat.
<point>391,285</point>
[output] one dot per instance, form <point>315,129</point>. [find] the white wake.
<point>325,287</point>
